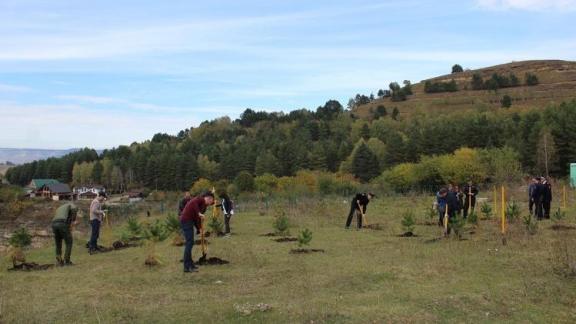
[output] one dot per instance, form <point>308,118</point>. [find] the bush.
<point>244,181</point>
<point>512,212</point>
<point>154,233</point>
<point>457,225</point>
<point>172,223</point>
<point>134,228</point>
<point>531,224</point>
<point>472,218</point>
<point>408,222</point>
<point>281,224</point>
<point>486,210</point>
<point>216,225</point>
<point>431,213</point>
<point>531,79</point>
<point>558,215</point>
<point>201,186</point>
<point>506,101</point>
<point>305,237</point>
<point>21,238</point>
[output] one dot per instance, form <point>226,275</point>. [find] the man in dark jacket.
<point>191,217</point>
<point>359,201</point>
<point>470,193</point>
<point>546,198</point>
<point>64,219</point>
<point>183,202</point>
<point>453,208</point>
<point>537,197</point>
<point>531,189</point>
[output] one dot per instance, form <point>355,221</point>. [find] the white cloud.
<point>68,126</point>
<point>13,88</point>
<point>530,5</point>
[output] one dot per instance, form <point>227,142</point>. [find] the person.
<point>470,192</point>
<point>537,197</point>
<point>546,198</point>
<point>183,202</point>
<point>192,216</point>
<point>361,200</point>
<point>452,205</point>
<point>64,218</point>
<point>441,205</point>
<point>96,216</point>
<point>531,189</point>
<point>228,210</point>
<point>460,196</point>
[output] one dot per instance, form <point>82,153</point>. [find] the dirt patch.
<point>32,266</point>
<point>119,245</point>
<point>269,235</point>
<point>286,239</point>
<point>408,234</point>
<point>305,251</point>
<point>561,227</point>
<point>219,234</point>
<point>212,261</point>
<point>375,227</point>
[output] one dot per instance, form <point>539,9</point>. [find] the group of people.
<point>540,197</point>
<point>455,200</point>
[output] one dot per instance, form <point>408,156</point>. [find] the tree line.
<point>329,139</point>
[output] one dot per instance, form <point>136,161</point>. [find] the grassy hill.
<point>557,83</point>
<point>363,277</point>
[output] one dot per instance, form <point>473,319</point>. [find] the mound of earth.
<point>305,251</point>
<point>286,239</point>
<point>32,266</point>
<point>212,261</point>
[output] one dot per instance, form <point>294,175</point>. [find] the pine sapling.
<point>173,227</point>
<point>486,210</point>
<point>305,237</point>
<point>512,212</point>
<point>558,216</point>
<point>19,240</point>
<point>154,233</point>
<point>473,218</point>
<point>531,224</point>
<point>281,224</point>
<point>134,228</point>
<point>216,225</point>
<point>408,223</point>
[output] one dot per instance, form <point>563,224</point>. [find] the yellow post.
<point>503,212</point>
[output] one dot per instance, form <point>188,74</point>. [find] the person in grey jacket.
<point>96,217</point>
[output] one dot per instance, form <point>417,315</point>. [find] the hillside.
<point>557,83</point>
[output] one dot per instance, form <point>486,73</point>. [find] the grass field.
<point>364,276</point>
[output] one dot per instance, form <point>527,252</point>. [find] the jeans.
<point>62,232</point>
<point>354,209</point>
<point>188,231</point>
<point>95,224</point>
<point>227,223</point>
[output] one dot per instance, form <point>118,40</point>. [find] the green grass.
<point>363,276</point>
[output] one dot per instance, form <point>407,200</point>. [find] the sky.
<point>105,73</point>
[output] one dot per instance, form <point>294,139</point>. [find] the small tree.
<point>531,224</point>
<point>457,225</point>
<point>216,225</point>
<point>244,181</point>
<point>408,223</point>
<point>486,210</point>
<point>558,216</point>
<point>395,113</point>
<point>473,218</point>
<point>19,240</point>
<point>506,101</point>
<point>305,237</point>
<point>512,212</point>
<point>281,224</point>
<point>134,228</point>
<point>173,227</point>
<point>457,68</point>
<point>531,79</point>
<point>154,233</point>
<point>431,213</point>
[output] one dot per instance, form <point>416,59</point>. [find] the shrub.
<point>486,210</point>
<point>531,224</point>
<point>216,225</point>
<point>134,228</point>
<point>408,222</point>
<point>305,237</point>
<point>281,224</point>
<point>244,181</point>
<point>512,212</point>
<point>430,214</point>
<point>172,223</point>
<point>201,186</point>
<point>558,215</point>
<point>457,225</point>
<point>154,233</point>
<point>506,101</point>
<point>473,218</point>
<point>21,238</point>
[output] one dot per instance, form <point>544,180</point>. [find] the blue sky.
<point>105,73</point>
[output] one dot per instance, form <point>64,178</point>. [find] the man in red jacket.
<point>191,217</point>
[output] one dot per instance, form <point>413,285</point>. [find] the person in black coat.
<point>531,189</point>
<point>183,202</point>
<point>537,198</point>
<point>227,207</point>
<point>453,208</point>
<point>470,192</point>
<point>359,201</point>
<point>546,198</point>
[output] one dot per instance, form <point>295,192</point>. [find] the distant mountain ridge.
<point>25,155</point>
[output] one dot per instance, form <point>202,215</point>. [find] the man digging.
<point>192,217</point>
<point>358,206</point>
<point>62,222</point>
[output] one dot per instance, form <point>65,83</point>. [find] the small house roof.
<point>59,188</point>
<point>38,183</point>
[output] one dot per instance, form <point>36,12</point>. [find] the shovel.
<point>203,241</point>
<point>364,221</point>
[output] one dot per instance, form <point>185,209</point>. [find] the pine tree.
<point>365,163</point>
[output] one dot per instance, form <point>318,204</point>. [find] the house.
<point>56,191</point>
<point>34,186</point>
<point>135,196</point>
<point>88,190</point>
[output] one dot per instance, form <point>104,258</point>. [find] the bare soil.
<point>31,266</point>
<point>212,261</point>
<point>286,239</point>
<point>305,251</point>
